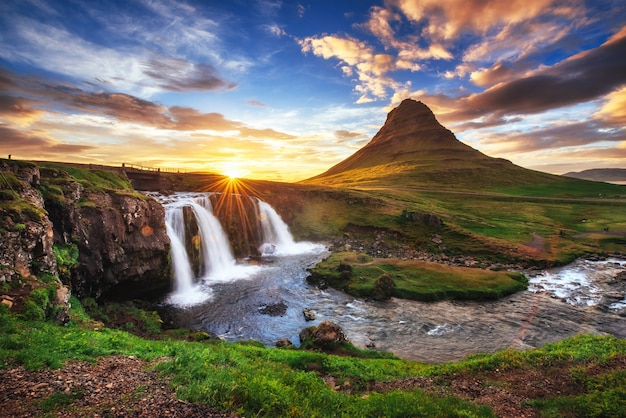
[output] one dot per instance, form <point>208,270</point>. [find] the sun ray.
<point>233,204</point>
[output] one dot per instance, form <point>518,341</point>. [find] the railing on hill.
<point>139,167</point>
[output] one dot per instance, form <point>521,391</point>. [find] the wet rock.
<point>283,342</point>
<point>309,314</point>
<point>274,309</point>
<point>383,288</point>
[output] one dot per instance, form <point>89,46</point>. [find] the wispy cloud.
<point>142,68</point>
<point>358,59</point>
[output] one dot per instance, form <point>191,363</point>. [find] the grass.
<point>55,174</point>
<point>499,228</point>
<point>358,274</point>
<point>255,381</point>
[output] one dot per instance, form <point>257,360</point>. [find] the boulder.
<point>123,245</point>
<point>326,333</point>
<point>309,314</point>
<point>283,342</point>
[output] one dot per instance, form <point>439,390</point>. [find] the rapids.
<point>265,302</point>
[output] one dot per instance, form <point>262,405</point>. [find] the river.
<point>268,305</point>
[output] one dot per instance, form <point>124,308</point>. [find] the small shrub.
<point>34,312</point>
<point>19,227</point>
<point>383,288</point>
<point>67,260</point>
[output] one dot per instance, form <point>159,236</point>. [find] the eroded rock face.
<point>122,242</point>
<point>26,235</point>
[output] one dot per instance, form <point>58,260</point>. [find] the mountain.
<point>600,174</point>
<point>414,149</point>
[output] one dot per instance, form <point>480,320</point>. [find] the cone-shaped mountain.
<point>414,149</point>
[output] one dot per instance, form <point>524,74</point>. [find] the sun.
<point>233,174</point>
<point>233,171</point>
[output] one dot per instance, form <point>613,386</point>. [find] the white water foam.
<point>440,330</point>
<point>578,284</point>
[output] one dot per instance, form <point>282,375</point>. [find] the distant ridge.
<point>414,149</point>
<point>600,174</point>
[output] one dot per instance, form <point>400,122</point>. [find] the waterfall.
<point>275,233</point>
<point>214,246</point>
<point>276,238</point>
<point>210,247</point>
<point>175,226</point>
<point>217,262</point>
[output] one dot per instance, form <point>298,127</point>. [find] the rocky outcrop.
<point>121,238</point>
<point>429,219</point>
<point>26,232</point>
<point>27,260</point>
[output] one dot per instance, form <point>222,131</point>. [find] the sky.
<point>283,90</point>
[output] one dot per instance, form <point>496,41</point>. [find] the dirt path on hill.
<point>117,386</point>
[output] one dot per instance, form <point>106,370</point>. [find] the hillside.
<point>600,174</point>
<point>413,149</point>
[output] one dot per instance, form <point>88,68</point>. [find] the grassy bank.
<point>250,380</point>
<point>363,276</point>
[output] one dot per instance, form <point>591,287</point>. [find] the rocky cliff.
<point>120,238</point>
<point>26,232</point>
<point>28,268</point>
<point>123,247</point>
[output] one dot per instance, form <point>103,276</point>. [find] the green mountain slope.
<point>413,149</point>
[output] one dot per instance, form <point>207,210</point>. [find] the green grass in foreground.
<point>254,381</point>
<point>358,275</point>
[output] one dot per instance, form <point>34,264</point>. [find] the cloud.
<point>19,143</point>
<point>118,106</point>
<point>583,77</point>
<point>181,75</point>
<point>17,108</point>
<point>410,49</point>
<point>448,20</point>
<point>344,136</point>
<point>275,30</point>
<point>356,57</point>
<point>137,70</point>
<point>256,103</point>
<point>613,111</point>
<point>487,77</point>
<point>557,136</point>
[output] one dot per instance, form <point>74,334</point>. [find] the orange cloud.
<point>613,111</point>
<point>487,77</point>
<point>447,20</point>
<point>356,57</point>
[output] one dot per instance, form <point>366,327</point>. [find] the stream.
<point>267,305</point>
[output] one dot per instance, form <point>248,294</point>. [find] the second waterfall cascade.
<point>212,260</point>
